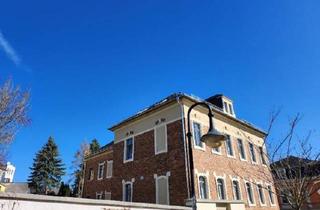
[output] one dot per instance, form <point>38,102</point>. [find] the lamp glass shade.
<point>213,139</point>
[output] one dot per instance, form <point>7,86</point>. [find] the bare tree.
<point>78,168</point>
<point>292,165</point>
<point>14,104</point>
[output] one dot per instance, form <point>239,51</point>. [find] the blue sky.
<point>91,64</point>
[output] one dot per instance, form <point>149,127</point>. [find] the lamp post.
<point>212,139</point>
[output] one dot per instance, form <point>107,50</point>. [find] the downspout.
<point>186,157</point>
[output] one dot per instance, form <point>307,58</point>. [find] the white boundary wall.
<point>13,201</point>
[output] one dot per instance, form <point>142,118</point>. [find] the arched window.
<point>236,190</point>
<point>261,194</point>
<point>249,193</point>
<point>221,189</point>
<point>203,187</point>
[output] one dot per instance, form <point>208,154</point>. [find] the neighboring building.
<point>7,173</point>
<point>16,187</point>
<point>293,172</point>
<point>148,157</point>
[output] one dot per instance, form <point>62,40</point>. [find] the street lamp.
<point>212,139</point>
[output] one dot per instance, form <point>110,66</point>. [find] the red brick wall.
<point>90,187</point>
<point>220,165</point>
<point>146,164</point>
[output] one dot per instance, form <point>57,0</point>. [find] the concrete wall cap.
<point>56,199</point>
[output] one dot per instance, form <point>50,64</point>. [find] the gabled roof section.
<point>175,97</point>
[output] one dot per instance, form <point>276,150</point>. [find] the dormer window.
<point>228,108</point>
<point>222,102</point>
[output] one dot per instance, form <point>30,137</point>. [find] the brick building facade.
<point>150,162</point>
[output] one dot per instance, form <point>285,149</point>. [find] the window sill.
<point>160,152</point>
<point>200,148</point>
<point>231,156</point>
<point>216,153</point>
<point>251,204</point>
<point>126,161</point>
<point>244,160</point>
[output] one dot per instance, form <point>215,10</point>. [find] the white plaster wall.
<point>12,201</point>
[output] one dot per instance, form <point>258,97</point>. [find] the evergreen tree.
<point>47,169</point>
<point>64,190</point>
<point>94,146</point>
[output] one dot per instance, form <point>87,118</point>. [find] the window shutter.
<point>162,190</point>
<point>109,169</point>
<point>161,139</point>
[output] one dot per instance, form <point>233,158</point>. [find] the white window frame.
<point>244,149</point>
<point>109,162</point>
<point>226,145</point>
<point>125,150</point>
<point>239,185</point>
<point>206,175</point>
<point>263,194</point>
<point>231,111</point>
<point>217,152</point>
<point>272,194</point>
<point>156,177</point>
<point>254,200</point>
<point>124,190</point>
<point>91,174</point>
<point>254,152</point>
<point>155,140</point>
<point>100,164</point>
<point>99,194</point>
<point>224,186</point>
<point>225,106</point>
<point>203,148</point>
<point>262,156</point>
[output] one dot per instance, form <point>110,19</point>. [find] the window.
<point>225,105</point>
<point>252,153</point>
<point>230,109</point>
<point>128,150</point>
<point>221,189</point>
<point>109,168</point>
<point>261,194</point>
<point>203,189</point>
<point>160,139</point>
<point>249,193</point>
<point>99,195</point>
<point>100,170</point>
<point>270,194</point>
<point>91,174</point>
<point>229,146</point>
<point>216,150</point>
<point>162,190</point>
<point>127,191</point>
<point>263,160</point>
<point>241,149</point>
<point>197,135</point>
<point>284,199</point>
<point>236,190</point>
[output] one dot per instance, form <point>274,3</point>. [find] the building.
<point>16,187</point>
<point>7,173</point>
<point>292,173</point>
<point>147,161</point>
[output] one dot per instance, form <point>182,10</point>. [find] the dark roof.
<point>293,160</point>
<point>175,96</point>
